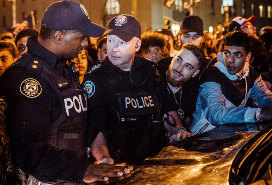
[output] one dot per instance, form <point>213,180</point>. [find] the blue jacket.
<point>214,109</point>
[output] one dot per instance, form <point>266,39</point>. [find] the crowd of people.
<point>81,103</point>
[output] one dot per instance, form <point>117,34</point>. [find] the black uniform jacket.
<point>106,86</point>
<point>32,107</point>
<point>123,103</point>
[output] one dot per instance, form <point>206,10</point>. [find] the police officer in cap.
<point>127,91</point>
<point>46,112</point>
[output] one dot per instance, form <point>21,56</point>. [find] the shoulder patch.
<point>96,67</point>
<point>89,87</point>
<point>31,88</point>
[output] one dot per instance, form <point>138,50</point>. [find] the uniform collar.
<point>42,53</point>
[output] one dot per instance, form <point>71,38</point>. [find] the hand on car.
<point>103,172</point>
<point>179,135</point>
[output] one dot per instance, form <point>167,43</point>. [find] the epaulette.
<point>28,62</point>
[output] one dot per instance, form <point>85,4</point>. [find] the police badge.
<point>120,20</point>
<point>31,88</point>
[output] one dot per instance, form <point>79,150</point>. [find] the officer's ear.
<point>58,36</point>
<point>138,45</point>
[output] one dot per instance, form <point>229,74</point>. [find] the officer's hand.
<point>179,135</point>
<point>266,114</point>
<point>103,172</point>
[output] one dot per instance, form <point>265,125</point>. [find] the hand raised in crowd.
<point>266,114</point>
<point>103,172</point>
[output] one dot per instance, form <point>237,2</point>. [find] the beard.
<point>172,81</point>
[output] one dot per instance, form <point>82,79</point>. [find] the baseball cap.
<point>192,24</point>
<point>70,15</point>
<point>124,26</point>
<point>237,22</point>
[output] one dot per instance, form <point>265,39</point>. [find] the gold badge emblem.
<point>31,88</point>
<point>120,20</point>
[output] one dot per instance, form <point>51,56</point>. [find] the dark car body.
<point>211,158</point>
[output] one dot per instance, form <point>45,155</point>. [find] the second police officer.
<point>127,93</point>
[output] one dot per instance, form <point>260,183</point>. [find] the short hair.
<point>198,52</point>
<point>26,33</point>
<point>45,33</point>
<point>239,39</point>
<point>165,32</point>
<point>152,39</point>
<point>218,44</point>
<point>100,42</point>
<point>9,47</point>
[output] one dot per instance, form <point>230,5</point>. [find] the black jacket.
<point>33,106</point>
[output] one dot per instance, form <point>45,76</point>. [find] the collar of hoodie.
<point>221,66</point>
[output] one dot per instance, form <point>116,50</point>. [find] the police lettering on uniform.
<point>46,113</point>
<point>139,103</point>
<point>75,103</point>
<point>127,95</point>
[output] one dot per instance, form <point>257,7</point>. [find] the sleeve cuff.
<point>257,115</point>
<point>250,115</point>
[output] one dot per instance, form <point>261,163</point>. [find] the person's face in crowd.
<point>21,46</point>
<point>235,58</point>
<point>208,39</point>
<point>82,63</point>
<point>102,53</point>
<point>73,43</point>
<point>8,37</point>
<point>191,37</point>
<point>219,27</point>
<point>121,53</point>
<point>183,67</point>
<point>153,53</point>
<point>6,59</point>
<point>248,28</point>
